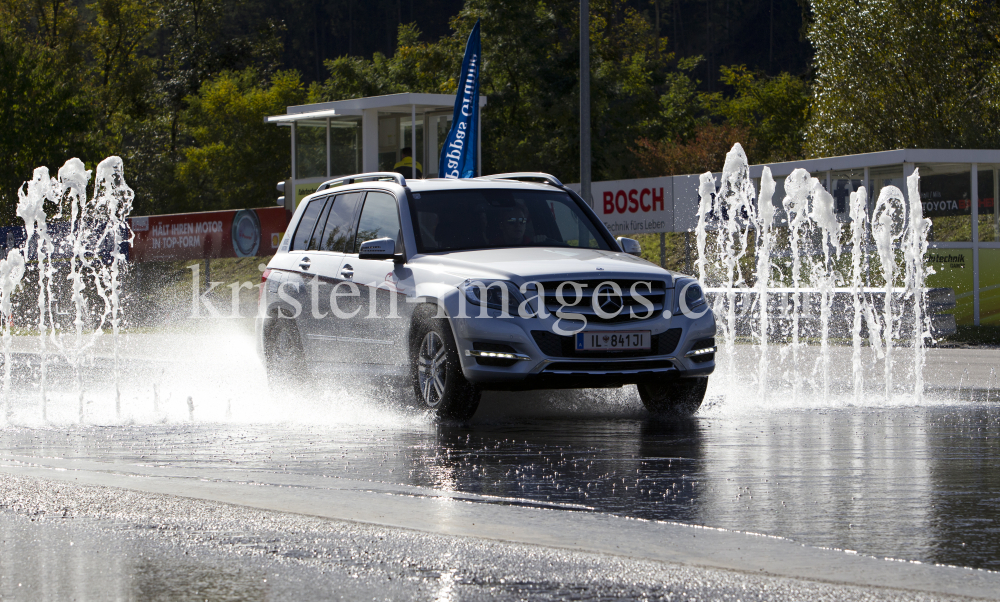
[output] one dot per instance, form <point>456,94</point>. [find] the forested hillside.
<point>179,88</point>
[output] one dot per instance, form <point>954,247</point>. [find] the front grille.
<point>608,367</point>
<point>555,345</point>
<point>656,293</point>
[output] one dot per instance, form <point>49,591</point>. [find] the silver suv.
<point>505,282</point>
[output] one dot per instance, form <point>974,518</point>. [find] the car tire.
<point>283,356</point>
<point>677,397</point>
<point>438,382</point>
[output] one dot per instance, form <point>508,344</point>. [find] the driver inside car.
<point>513,230</point>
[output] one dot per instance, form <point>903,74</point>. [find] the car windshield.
<point>459,220</point>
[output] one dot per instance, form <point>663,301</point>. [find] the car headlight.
<point>690,297</point>
<point>494,294</point>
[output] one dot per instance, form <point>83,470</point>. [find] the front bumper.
<point>519,354</point>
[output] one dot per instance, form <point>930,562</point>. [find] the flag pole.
<point>460,153</point>
<point>585,101</point>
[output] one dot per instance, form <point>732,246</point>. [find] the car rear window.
<point>304,231</point>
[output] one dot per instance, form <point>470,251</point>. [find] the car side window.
<point>317,236</point>
<point>379,219</point>
<point>304,231</point>
<point>337,235</point>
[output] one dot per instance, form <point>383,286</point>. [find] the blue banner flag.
<point>459,155</point>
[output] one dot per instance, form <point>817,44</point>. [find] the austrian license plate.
<point>612,341</point>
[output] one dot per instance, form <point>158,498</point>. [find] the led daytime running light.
<point>704,351</point>
<point>497,354</point>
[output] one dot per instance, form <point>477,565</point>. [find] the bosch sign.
<point>620,202</point>
<point>635,206</point>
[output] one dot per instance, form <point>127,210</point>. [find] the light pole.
<point>585,101</point>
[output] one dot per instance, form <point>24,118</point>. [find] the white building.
<point>362,135</point>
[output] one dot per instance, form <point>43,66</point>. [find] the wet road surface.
<point>907,479</point>
<point>63,541</point>
<point>912,483</point>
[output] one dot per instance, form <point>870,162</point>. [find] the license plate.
<point>612,341</point>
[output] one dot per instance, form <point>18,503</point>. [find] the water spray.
<point>765,244</point>
<point>94,234</point>
<point>31,208</point>
<point>11,272</point>
<point>808,270</point>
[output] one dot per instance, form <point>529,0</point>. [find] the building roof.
<point>391,103</point>
<point>881,158</point>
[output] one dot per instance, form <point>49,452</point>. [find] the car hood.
<point>543,264</point>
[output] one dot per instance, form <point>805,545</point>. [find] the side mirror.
<point>379,248</point>
<point>630,246</point>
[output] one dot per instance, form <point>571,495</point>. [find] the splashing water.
<point>65,286</point>
<point>835,297</point>
<point>916,277</point>
<point>31,208</point>
<point>796,205</point>
<point>859,219</point>
<point>778,288</point>
<point>112,205</point>
<point>11,272</point>
<point>885,219</point>
<point>62,224</point>
<point>734,200</point>
<point>764,266</point>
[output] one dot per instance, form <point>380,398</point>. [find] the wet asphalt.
<point>66,542</point>
<point>906,479</point>
<point>919,484</point>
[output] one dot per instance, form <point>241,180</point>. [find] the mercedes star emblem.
<point>608,299</point>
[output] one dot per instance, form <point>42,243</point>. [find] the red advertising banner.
<point>208,234</point>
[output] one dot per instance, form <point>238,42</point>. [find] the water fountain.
<point>67,232</point>
<point>738,239</point>
<point>787,281</point>
<point>11,272</point>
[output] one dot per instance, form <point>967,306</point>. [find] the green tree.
<point>44,115</point>
<point>123,72</point>
<point>904,73</point>
<point>76,83</point>
<point>704,151</point>
<point>773,112</point>
<point>55,25</point>
<point>236,158</point>
<point>194,42</point>
<point>415,67</point>
<point>531,75</point>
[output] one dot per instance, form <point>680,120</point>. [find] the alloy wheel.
<point>432,368</point>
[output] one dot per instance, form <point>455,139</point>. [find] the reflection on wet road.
<point>919,483</point>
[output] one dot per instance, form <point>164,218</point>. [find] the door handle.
<point>304,263</point>
<point>347,272</point>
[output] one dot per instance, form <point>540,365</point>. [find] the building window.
<point>345,146</point>
<point>946,195</point>
<point>843,184</point>
<point>310,148</point>
<point>989,218</point>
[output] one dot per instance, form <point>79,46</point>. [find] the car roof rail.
<point>375,176</point>
<point>527,176</point>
